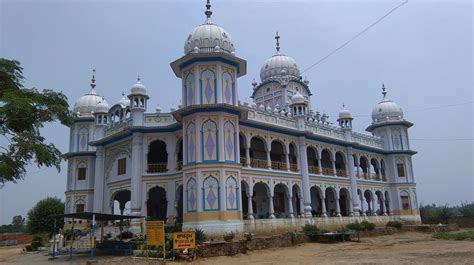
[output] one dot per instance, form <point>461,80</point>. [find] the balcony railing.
<point>341,173</point>
<point>179,166</point>
<point>279,165</point>
<point>328,171</point>
<point>157,168</point>
<point>314,170</point>
<point>258,163</point>
<point>243,161</point>
<point>294,167</point>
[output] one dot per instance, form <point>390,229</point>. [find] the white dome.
<point>297,98</point>
<point>386,110</point>
<point>344,113</point>
<point>279,65</point>
<point>209,37</point>
<point>86,104</point>
<point>138,88</point>
<point>102,106</point>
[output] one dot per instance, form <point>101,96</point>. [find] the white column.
<point>362,204</point>
<point>373,206</point>
<point>305,176</point>
<point>99,180</point>
<point>269,160</point>
<point>350,164</point>
<point>136,173</point>
<point>301,213</point>
<point>338,207</point>
<point>290,204</point>
<point>323,204</point>
<point>287,160</point>
<point>333,162</point>
<point>271,210</point>
<point>247,157</point>
<point>250,206</point>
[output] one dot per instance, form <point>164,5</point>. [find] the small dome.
<point>386,110</point>
<point>86,104</point>
<point>124,101</point>
<point>297,98</point>
<point>138,88</point>
<point>279,65</point>
<point>102,107</point>
<point>344,113</point>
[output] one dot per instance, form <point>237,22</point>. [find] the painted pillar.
<point>290,204</point>
<point>350,162</point>
<point>305,176</point>
<point>99,180</point>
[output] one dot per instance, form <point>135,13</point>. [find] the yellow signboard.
<point>155,232</point>
<point>183,240</point>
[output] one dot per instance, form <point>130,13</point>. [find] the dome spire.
<point>384,93</point>
<point>92,91</point>
<point>208,12</point>
<point>138,78</point>
<point>277,38</point>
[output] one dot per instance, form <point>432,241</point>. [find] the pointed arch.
<point>232,200</point>
<point>230,138</point>
<point>191,143</point>
<point>211,194</point>
<point>210,145</point>
<point>207,84</point>
<point>191,195</point>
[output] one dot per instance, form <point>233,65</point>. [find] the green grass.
<point>461,235</point>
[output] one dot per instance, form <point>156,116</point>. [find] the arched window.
<point>209,141</point>
<point>81,171</point>
<point>157,157</point>
<point>79,206</point>
<point>208,87</point>
<point>211,195</point>
<point>191,143</point>
<point>340,165</point>
<point>229,138</point>
<point>326,163</point>
<point>191,195</point>
<point>405,200</point>
<point>292,157</point>
<point>231,194</point>
<point>189,89</point>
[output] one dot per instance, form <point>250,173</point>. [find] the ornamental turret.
<point>299,109</point>
<point>138,102</point>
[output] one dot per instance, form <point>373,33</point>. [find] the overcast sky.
<point>422,52</point>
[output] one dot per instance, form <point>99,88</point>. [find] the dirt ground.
<point>404,248</point>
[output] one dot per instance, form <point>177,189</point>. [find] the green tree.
<point>18,221</point>
<point>23,111</point>
<point>39,219</point>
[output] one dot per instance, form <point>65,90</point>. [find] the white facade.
<point>220,164</point>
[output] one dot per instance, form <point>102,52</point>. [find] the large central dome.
<point>209,37</point>
<point>279,65</point>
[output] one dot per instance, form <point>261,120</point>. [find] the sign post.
<point>155,235</point>
<point>184,240</point>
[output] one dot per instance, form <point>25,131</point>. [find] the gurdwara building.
<point>221,164</point>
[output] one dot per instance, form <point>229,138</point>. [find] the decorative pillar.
<point>373,206</point>
<point>323,204</point>
<point>250,206</point>
<point>362,206</point>
<point>290,204</point>
<point>301,206</point>
<point>269,159</point>
<point>333,162</point>
<point>351,208</point>
<point>99,180</point>
<point>305,176</point>
<point>287,160</point>
<point>136,173</point>
<point>355,204</point>
<point>338,207</point>
<point>247,156</point>
<point>271,211</point>
<point>320,171</point>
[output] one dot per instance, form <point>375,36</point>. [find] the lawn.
<point>460,235</point>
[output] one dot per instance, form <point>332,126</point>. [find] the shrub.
<point>462,235</point>
<point>248,236</point>
<point>396,224</point>
<point>311,230</point>
<point>29,248</point>
<point>200,235</point>
<point>432,214</point>
<point>368,226</point>
<point>228,236</point>
<point>39,219</point>
<point>355,226</point>
<point>36,242</point>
